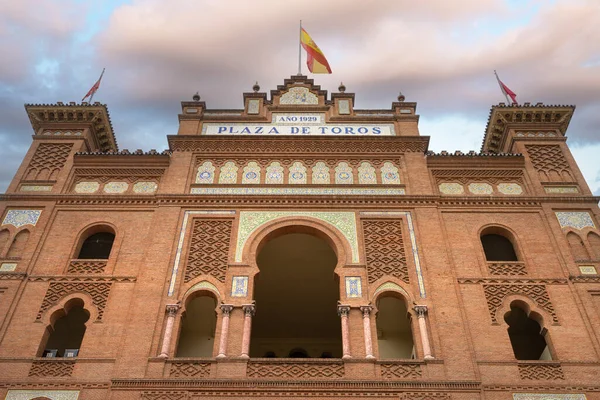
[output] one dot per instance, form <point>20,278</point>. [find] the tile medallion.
<point>320,174</point>
<point>353,286</point>
<point>451,188</point>
<point>510,188</point>
<point>251,173</point>
<point>366,174</point>
<point>8,267</point>
<point>228,173</point>
<point>548,396</point>
<point>19,218</point>
<point>35,188</point>
<point>575,219</point>
<point>87,187</point>
<point>206,173</point>
<point>274,173</point>
<point>298,95</point>
<point>250,221</point>
<point>343,107</point>
<point>253,106</point>
<point>239,286</point>
<point>297,174</point>
<point>116,187</point>
<point>303,191</point>
<point>343,174</point>
<point>480,188</point>
<point>145,187</point>
<point>42,394</point>
<point>389,174</point>
<point>561,189</point>
<point>588,270</point>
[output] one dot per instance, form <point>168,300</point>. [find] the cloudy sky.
<point>439,53</point>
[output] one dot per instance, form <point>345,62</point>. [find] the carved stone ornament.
<point>421,311</point>
<point>172,309</point>
<point>343,311</point>
<point>226,309</point>
<point>249,309</point>
<point>366,311</point>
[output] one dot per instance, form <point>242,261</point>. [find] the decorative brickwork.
<point>47,161</point>
<point>506,268</point>
<point>209,247</point>
<point>189,370</point>
<point>541,371</point>
<point>384,249</point>
<point>164,395</point>
<point>495,295</point>
<point>550,162</point>
<point>52,368</point>
<point>297,370</point>
<point>86,266</point>
<point>400,371</point>
<point>98,291</point>
<point>424,396</point>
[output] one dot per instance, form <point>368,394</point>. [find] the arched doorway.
<point>296,295</point>
<point>394,332</point>
<point>197,334</point>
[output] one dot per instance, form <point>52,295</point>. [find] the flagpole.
<point>300,50</point>
<point>502,89</point>
<point>99,79</point>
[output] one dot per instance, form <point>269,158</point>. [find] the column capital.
<point>226,309</point>
<point>421,310</point>
<point>249,309</point>
<point>366,310</point>
<point>343,310</point>
<point>172,309</point>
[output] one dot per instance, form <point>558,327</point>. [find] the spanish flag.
<point>315,59</point>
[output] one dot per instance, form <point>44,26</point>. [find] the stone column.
<point>343,312</point>
<point>226,311</point>
<point>421,313</point>
<point>249,310</point>
<point>366,311</point>
<point>166,343</point>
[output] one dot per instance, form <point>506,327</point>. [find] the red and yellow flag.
<point>315,59</point>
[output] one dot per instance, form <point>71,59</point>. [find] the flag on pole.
<point>506,91</point>
<point>94,88</point>
<point>315,59</point>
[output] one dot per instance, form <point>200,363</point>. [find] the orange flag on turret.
<point>316,61</point>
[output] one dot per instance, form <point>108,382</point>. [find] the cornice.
<point>520,281</point>
<point>585,279</point>
<point>80,278</point>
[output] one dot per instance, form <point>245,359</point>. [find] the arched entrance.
<point>296,295</point>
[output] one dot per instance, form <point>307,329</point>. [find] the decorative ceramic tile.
<point>299,191</point>
<point>36,188</point>
<point>116,187</point>
<point>588,270</point>
<point>228,173</point>
<point>145,187</point>
<point>353,286</point>
<point>206,173</point>
<point>42,394</point>
<point>343,174</point>
<point>389,174</point>
<point>274,173</point>
<point>561,189</point>
<point>390,287</point>
<point>251,173</point>
<point>510,188</point>
<point>320,174</point>
<point>7,267</point>
<point>87,187</point>
<point>451,188</point>
<point>186,217</point>
<point>297,173</point>
<point>480,188</point>
<point>19,218</point>
<point>575,219</point>
<point>239,286</point>
<point>253,106</point>
<point>366,174</point>
<point>343,107</point>
<point>250,221</point>
<point>298,95</point>
<point>413,241</point>
<point>203,285</point>
<point>548,396</point>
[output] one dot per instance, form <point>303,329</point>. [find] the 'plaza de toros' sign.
<point>298,124</point>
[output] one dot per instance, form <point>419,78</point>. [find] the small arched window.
<point>497,247</point>
<point>66,333</point>
<point>526,336</point>
<point>97,246</point>
<point>18,245</point>
<point>594,241</point>
<point>577,247</point>
<point>394,332</point>
<point>197,334</point>
<point>4,235</point>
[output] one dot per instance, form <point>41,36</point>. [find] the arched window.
<point>18,244</point>
<point>65,334</point>
<point>4,235</point>
<point>594,241</point>
<point>197,334</point>
<point>525,335</point>
<point>497,247</point>
<point>577,247</point>
<point>97,246</point>
<point>394,333</point>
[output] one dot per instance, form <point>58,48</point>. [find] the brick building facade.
<point>299,248</point>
